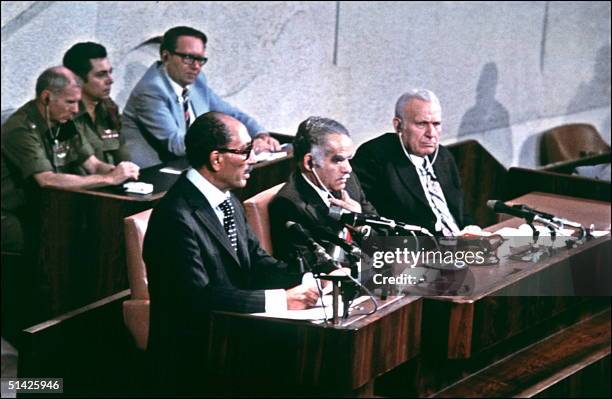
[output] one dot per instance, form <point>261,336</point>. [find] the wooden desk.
<point>569,166</point>
<point>478,321</point>
<point>504,313</point>
<point>521,181</point>
<point>249,356</point>
<point>82,250</point>
<point>283,357</point>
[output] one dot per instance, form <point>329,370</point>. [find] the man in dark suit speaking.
<point>407,175</point>
<point>201,255</point>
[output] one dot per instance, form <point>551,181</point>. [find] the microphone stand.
<point>535,252</point>
<point>349,288</point>
<point>335,280</point>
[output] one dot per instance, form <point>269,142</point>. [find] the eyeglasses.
<point>245,152</point>
<point>190,59</point>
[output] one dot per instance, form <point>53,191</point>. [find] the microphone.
<point>551,217</point>
<point>357,219</point>
<point>325,234</point>
<point>315,247</point>
<point>501,207</point>
<point>521,211</point>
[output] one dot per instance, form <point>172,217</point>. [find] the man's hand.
<point>124,171</point>
<point>302,296</point>
<point>347,203</point>
<point>265,142</point>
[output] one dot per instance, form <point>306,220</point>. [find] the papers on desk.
<point>525,231</point>
<point>135,187</point>
<point>316,313</point>
<point>171,171</point>
<point>523,234</point>
<point>599,233</point>
<point>269,156</point>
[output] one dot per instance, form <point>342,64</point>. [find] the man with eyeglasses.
<point>171,95</point>
<point>201,255</point>
<point>407,175</point>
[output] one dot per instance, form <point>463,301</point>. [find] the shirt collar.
<point>417,161</point>
<point>322,193</point>
<point>177,88</point>
<point>213,195</point>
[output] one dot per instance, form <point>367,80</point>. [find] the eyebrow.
<point>339,157</point>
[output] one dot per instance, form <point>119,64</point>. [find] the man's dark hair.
<point>313,132</point>
<point>206,134</point>
<point>78,57</point>
<point>171,36</point>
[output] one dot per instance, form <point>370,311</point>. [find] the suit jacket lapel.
<point>407,173</point>
<point>175,106</point>
<point>207,217</point>
<point>314,205</point>
<point>196,96</point>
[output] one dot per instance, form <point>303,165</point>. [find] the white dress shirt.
<point>178,89</point>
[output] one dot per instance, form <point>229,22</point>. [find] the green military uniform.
<point>30,147</point>
<point>104,134</point>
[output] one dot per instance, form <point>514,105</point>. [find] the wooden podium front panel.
<point>254,355</point>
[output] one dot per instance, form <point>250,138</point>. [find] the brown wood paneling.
<point>272,356</point>
<point>542,365</point>
<point>482,178</point>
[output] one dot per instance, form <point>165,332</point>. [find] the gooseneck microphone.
<point>358,219</point>
<point>523,212</point>
<point>315,247</point>
<point>501,207</point>
<point>326,235</point>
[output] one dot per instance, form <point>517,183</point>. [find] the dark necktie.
<point>229,223</point>
<point>186,107</point>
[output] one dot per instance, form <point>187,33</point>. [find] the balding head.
<point>58,92</point>
<point>56,79</point>
<point>208,132</point>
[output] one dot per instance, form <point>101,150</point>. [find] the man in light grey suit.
<point>170,96</point>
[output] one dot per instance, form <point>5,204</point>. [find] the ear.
<point>165,54</point>
<point>307,162</point>
<point>216,161</point>
<point>397,124</point>
<point>45,97</point>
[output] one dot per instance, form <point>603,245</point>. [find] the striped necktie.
<point>445,222</point>
<point>229,223</point>
<point>186,107</point>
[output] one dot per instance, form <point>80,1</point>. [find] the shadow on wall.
<point>529,155</point>
<point>134,70</point>
<point>487,115</point>
<point>596,92</point>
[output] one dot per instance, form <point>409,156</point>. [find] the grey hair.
<point>419,94</point>
<point>56,79</point>
<point>312,136</point>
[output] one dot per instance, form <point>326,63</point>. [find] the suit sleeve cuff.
<point>276,300</point>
